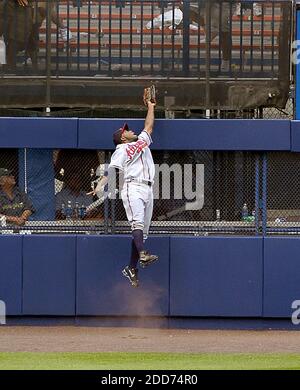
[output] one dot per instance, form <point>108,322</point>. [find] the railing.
<point>211,43</point>
<point>195,193</point>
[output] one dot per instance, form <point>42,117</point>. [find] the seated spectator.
<point>15,205</point>
<point>76,170</point>
<point>73,192</point>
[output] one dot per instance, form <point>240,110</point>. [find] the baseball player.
<point>134,159</point>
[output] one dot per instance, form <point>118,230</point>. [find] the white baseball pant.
<point>138,203</point>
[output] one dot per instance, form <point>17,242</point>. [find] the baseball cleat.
<point>132,275</point>
<point>146,259</point>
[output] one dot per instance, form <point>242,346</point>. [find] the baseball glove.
<point>149,95</point>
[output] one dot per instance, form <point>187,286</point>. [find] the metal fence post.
<point>106,198</point>
<point>48,54</point>
<point>186,38</point>
<point>264,193</point>
<point>297,62</point>
<point>207,54</point>
<point>257,193</point>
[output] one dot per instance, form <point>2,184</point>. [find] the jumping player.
<point>134,159</point>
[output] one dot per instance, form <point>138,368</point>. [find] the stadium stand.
<point>145,42</point>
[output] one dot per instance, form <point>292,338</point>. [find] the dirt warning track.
<point>91,339</point>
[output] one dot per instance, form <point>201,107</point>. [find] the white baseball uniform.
<point>135,160</point>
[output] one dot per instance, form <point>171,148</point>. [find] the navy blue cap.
<point>117,136</point>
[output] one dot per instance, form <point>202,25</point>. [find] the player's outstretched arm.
<point>101,183</point>
<point>111,172</point>
<point>149,122</point>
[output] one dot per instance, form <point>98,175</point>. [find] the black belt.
<point>140,181</point>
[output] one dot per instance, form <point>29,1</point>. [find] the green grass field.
<point>146,361</point>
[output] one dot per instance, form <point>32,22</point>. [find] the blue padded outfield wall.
<point>79,275</point>
<point>102,290</point>
<point>49,275</point>
<point>51,133</point>
<point>195,277</point>
<point>11,275</point>
<point>216,276</point>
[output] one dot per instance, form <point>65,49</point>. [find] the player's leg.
<point>147,258</point>
<point>134,255</point>
<point>148,213</point>
<point>134,207</point>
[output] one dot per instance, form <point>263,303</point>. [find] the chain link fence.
<point>279,113</point>
<point>195,192</point>
<point>283,201</point>
<point>202,192</point>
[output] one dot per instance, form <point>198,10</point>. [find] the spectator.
<point>78,3</point>
<point>39,15</point>
<point>22,20</point>
<point>73,192</point>
<point>1,17</point>
<point>65,34</point>
<point>76,169</point>
<point>241,7</point>
<point>2,44</point>
<point>14,203</point>
<point>219,25</point>
<point>16,27</point>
